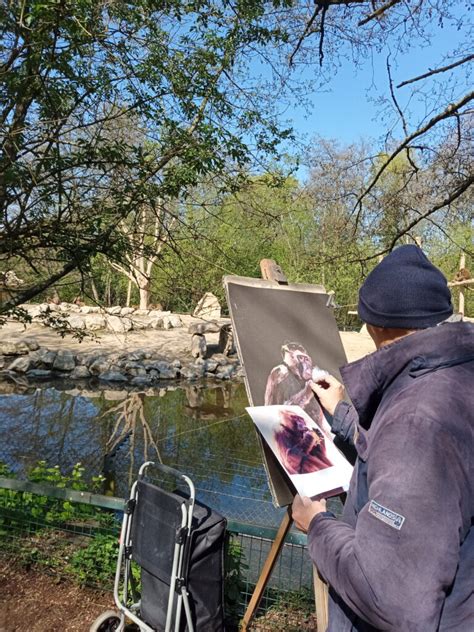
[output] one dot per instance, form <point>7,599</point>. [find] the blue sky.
<point>346,110</point>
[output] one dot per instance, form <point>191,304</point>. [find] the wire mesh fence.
<point>74,534</point>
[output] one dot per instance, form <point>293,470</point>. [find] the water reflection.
<point>200,428</point>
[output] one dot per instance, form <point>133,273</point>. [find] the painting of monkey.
<point>290,383</point>
<point>312,462</point>
<point>302,448</point>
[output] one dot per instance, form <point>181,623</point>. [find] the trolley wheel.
<point>106,622</point>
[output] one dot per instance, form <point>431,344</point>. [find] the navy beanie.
<point>405,290</point>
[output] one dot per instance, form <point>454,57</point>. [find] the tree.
<point>70,70</point>
<point>204,82</point>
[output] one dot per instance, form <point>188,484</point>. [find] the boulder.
<point>193,372</point>
<point>31,343</point>
<point>47,357</point>
<point>211,365</point>
<point>156,323</point>
<point>126,311</point>
<point>2,362</point>
<point>115,310</point>
<point>141,312</point>
<point>166,370</point>
<point>112,376</point>
<point>198,346</point>
<point>9,348</point>
<point>64,361</point>
<point>158,313</point>
<point>76,321</point>
<point>172,321</point>
<point>20,365</point>
<point>80,373</point>
<point>119,325</point>
<point>208,307</point>
<point>140,323</point>
<point>204,328</point>
<point>94,322</point>
<point>225,372</point>
<point>99,366</point>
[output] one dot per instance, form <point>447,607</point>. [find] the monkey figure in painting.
<point>289,383</point>
<point>302,448</point>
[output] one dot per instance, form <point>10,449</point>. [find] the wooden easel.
<point>271,271</point>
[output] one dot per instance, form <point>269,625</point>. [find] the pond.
<point>200,428</point>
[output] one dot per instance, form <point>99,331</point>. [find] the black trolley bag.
<point>155,531</point>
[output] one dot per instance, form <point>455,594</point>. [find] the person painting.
<point>302,449</point>
<point>402,555</point>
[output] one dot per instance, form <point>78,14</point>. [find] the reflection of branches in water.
<point>130,414</point>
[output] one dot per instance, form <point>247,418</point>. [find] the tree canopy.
<point>110,109</point>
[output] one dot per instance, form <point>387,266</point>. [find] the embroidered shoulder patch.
<point>388,516</point>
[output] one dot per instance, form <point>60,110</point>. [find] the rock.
<point>141,312</point>
<point>80,373</point>
<point>137,372</point>
<point>220,358</point>
<point>126,311</point>
<point>158,313</point>
<point>114,310</point>
<point>94,322</point>
<point>176,363</point>
<point>119,325</point>
<point>39,374</point>
<point>142,381</point>
<point>35,358</point>
<point>211,365</point>
<point>225,372</point>
<point>11,348</point>
<point>193,372</point>
<point>172,321</point>
<point>20,365</point>
<point>86,309</point>
<point>31,343</point>
<point>64,361</point>
<point>112,376</point>
<point>166,370</point>
<point>140,323</point>
<point>226,340</point>
<point>2,362</point>
<point>136,356</point>
<point>198,346</point>
<point>36,310</point>
<point>208,307</point>
<point>156,323</point>
<point>204,328</point>
<point>76,321</point>
<point>47,357</point>
<point>99,366</point>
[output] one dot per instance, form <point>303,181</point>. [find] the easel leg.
<point>321,600</point>
<point>267,570</point>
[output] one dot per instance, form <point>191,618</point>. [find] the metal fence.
<point>74,534</point>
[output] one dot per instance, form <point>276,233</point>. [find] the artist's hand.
<point>329,391</point>
<point>304,509</point>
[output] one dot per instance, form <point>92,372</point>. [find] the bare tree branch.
<point>378,12</point>
<point>451,110</point>
<point>436,71</point>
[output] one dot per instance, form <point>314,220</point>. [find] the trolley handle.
<point>168,470</point>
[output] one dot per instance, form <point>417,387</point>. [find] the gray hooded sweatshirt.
<point>402,556</point>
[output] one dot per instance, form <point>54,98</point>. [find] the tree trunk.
<point>129,293</point>
<point>144,296</point>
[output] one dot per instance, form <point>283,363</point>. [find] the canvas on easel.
<point>286,336</point>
